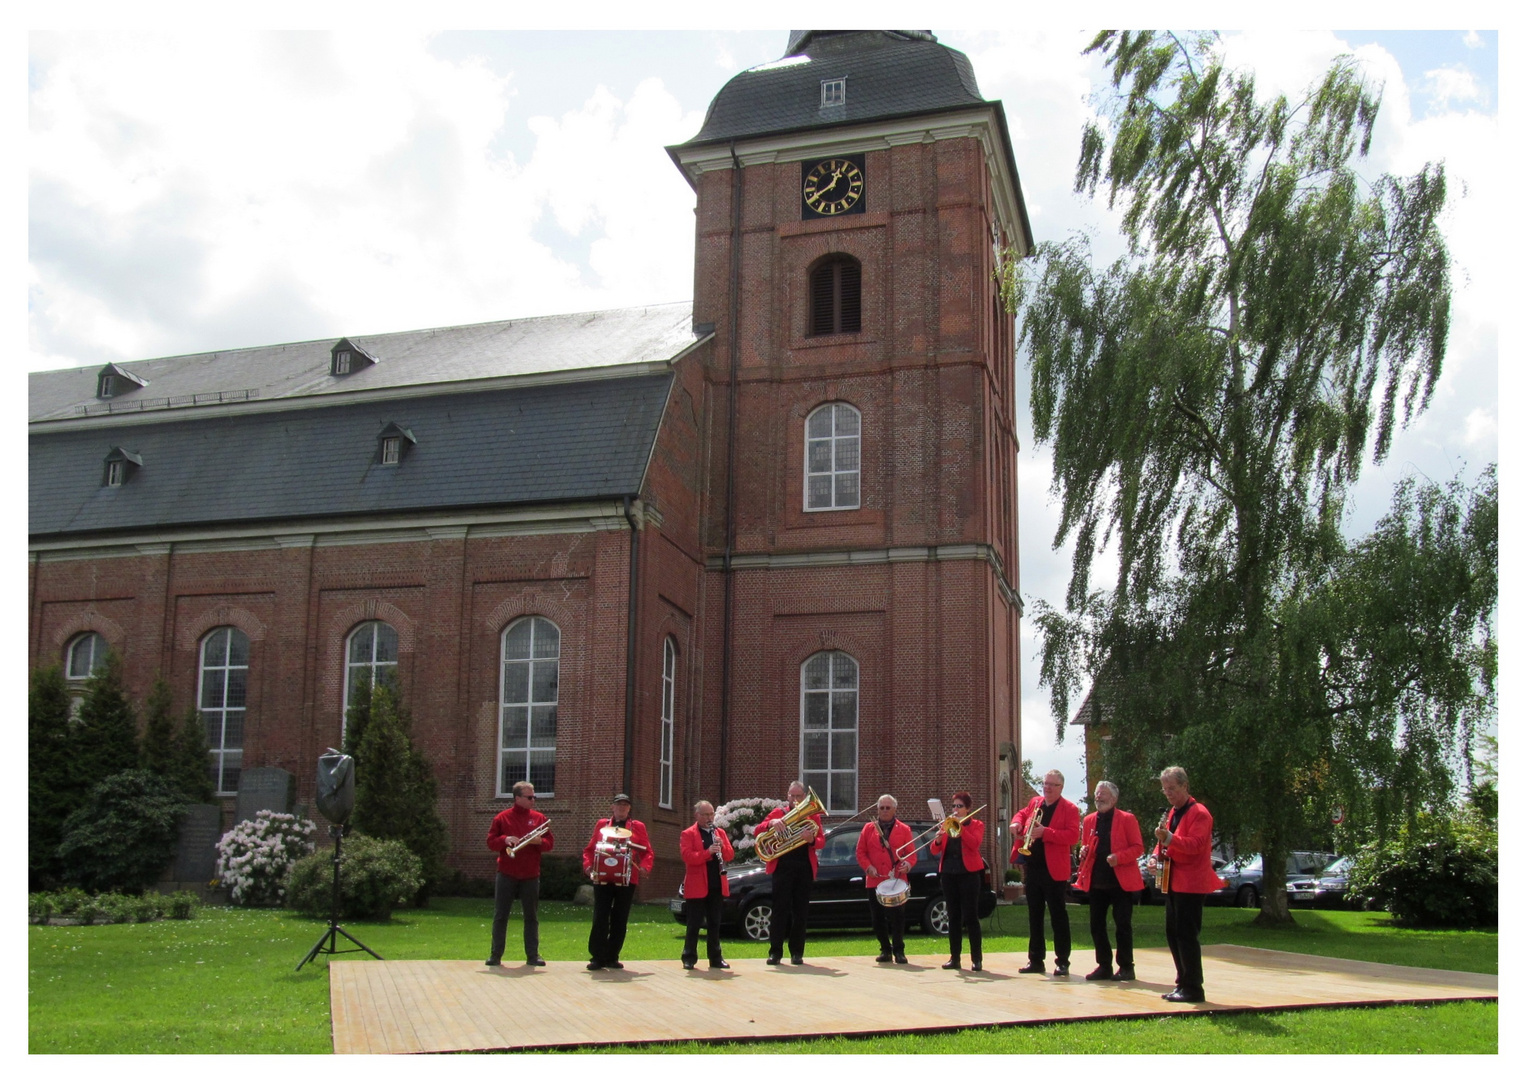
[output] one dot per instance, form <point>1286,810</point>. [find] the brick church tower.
<point>859,514</point>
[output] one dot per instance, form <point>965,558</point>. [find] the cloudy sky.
<point>210,188</point>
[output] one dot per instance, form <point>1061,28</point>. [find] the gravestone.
<point>266,788</point>
<point>201,826</point>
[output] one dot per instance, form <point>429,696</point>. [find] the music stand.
<point>336,798</point>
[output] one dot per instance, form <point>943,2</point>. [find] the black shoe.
<point>901,958</point>
<point>594,965</point>
<point>1169,993</point>
<point>953,965</point>
<point>1063,970</point>
<point>616,964</point>
<point>772,961</point>
<point>1124,975</point>
<point>883,958</point>
<point>535,962</point>
<point>1099,974</point>
<point>720,965</point>
<point>797,960</point>
<point>689,965</point>
<point>490,962</point>
<point>1033,967</point>
<point>975,965</point>
<point>1185,995</point>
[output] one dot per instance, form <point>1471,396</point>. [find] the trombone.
<point>951,825</point>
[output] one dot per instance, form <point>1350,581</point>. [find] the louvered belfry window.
<point>835,297</point>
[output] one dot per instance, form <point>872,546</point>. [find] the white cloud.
<point>1455,83</point>
<point>1473,40</point>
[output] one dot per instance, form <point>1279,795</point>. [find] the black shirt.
<point>1102,874</point>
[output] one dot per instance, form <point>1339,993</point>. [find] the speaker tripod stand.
<point>329,943</point>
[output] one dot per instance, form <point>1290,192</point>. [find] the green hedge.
<point>375,876</point>
<point>109,907</point>
<point>1440,872</point>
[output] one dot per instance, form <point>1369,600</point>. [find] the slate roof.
<point>415,358</point>
<point>889,73</point>
<point>562,442</point>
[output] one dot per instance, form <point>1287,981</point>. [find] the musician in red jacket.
<point>612,900</point>
<point>705,849</point>
<point>1047,869</point>
<point>519,872</point>
<point>1110,876</point>
<point>885,851</point>
<point>1184,839</point>
<point>959,875</point>
<point>792,873</point>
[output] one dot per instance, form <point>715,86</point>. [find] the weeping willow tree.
<point>1210,399</point>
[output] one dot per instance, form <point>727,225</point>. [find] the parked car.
<point>1243,877</point>
<point>1152,895</point>
<point>838,896</point>
<point>1327,890</point>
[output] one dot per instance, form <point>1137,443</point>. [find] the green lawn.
<point>223,983</point>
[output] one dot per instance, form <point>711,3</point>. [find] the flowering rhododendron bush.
<point>740,817</point>
<point>255,856</point>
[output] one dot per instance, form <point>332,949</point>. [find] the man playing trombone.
<point>885,852</point>
<point>520,835</point>
<point>792,872</point>
<point>1048,826</point>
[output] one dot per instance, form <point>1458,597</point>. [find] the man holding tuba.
<point>1052,825</point>
<point>885,851</point>
<point>519,834</point>
<point>792,838</point>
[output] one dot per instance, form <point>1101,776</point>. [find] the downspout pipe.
<point>628,765</point>
<point>733,347</point>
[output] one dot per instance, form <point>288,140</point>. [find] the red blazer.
<point>821,838</point>
<point>1065,829</point>
<point>509,826</point>
<point>1192,869</point>
<point>971,835</point>
<point>641,857</point>
<point>1124,840</point>
<point>874,859</point>
<point>693,852</point>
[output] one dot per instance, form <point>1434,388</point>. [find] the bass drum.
<point>893,892</point>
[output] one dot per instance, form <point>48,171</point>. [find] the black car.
<point>1243,877</point>
<point>838,896</point>
<point>1327,890</point>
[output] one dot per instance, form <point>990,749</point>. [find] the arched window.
<point>85,653</point>
<point>835,296</point>
<point>527,714</point>
<point>224,681</point>
<point>830,729</point>
<point>832,458</point>
<point>370,657</point>
<point>665,735</point>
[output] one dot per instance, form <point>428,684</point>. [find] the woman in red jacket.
<point>1110,876</point>
<point>959,874</point>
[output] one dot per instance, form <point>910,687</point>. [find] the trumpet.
<point>1163,864</point>
<point>1028,832</point>
<point>534,834</point>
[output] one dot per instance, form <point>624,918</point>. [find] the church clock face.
<point>832,186</point>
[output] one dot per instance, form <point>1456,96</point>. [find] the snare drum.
<point>893,892</point>
<point>612,865</point>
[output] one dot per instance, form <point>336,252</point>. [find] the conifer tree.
<point>189,769</point>
<point>50,796</point>
<point>105,739</point>
<point>157,754</point>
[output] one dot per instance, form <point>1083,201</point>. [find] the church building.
<point>689,551</point>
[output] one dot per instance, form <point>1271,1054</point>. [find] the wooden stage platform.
<point>441,1006</point>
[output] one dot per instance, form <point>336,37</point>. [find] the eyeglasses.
<point>522,795</point>
<point>959,806</point>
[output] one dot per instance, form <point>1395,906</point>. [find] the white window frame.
<point>108,386</point>
<point>824,786</point>
<point>392,449</point>
<point>837,451</point>
<point>665,727</point>
<point>521,752</point>
<point>97,656</point>
<point>221,748</point>
<point>371,665</point>
<point>116,472</point>
<point>342,362</point>
<point>834,92</point>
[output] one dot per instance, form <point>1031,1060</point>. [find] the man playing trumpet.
<point>1052,825</point>
<point>519,871</point>
<point>792,872</point>
<point>1110,876</point>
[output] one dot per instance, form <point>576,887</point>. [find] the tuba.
<point>778,841</point>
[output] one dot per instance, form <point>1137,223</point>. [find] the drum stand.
<point>329,943</point>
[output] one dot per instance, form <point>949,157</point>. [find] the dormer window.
<point>120,466</point>
<point>393,444</point>
<point>112,381</point>
<point>834,92</point>
<point>346,358</point>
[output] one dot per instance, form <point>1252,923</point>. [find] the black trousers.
<point>612,906</point>
<point>1043,891</point>
<point>792,899</point>
<point>962,893</point>
<point>505,891</point>
<point>706,909</point>
<point>1123,905</point>
<point>890,924</point>
<point>1184,919</point>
